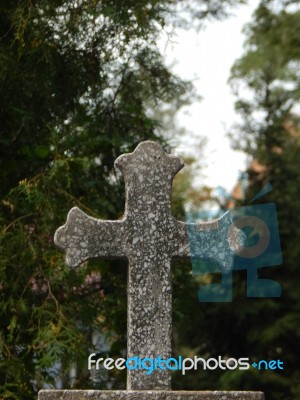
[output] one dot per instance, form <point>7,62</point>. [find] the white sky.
<point>206,58</point>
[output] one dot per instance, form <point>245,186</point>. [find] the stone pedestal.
<point>147,395</point>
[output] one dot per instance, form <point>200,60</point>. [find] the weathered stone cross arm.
<point>83,238</point>
<point>218,240</point>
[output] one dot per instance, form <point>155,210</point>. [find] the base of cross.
<point>147,395</point>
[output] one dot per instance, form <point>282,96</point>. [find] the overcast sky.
<point>206,58</point>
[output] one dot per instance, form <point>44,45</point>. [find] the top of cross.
<point>148,174</point>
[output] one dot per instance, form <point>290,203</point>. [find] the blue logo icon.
<point>243,238</point>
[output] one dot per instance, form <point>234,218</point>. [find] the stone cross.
<point>149,237</point>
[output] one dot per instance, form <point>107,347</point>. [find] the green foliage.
<point>266,81</point>
<point>270,72</point>
<point>267,75</point>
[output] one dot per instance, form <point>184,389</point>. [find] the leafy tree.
<point>266,81</point>
<point>81,82</point>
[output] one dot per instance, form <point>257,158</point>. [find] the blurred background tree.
<point>270,133</point>
<point>81,82</point>
<point>266,81</point>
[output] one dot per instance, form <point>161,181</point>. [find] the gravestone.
<point>149,237</point>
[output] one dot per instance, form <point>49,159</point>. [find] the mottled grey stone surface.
<point>149,236</point>
<point>146,395</point>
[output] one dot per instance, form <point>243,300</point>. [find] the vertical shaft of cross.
<point>148,177</point>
